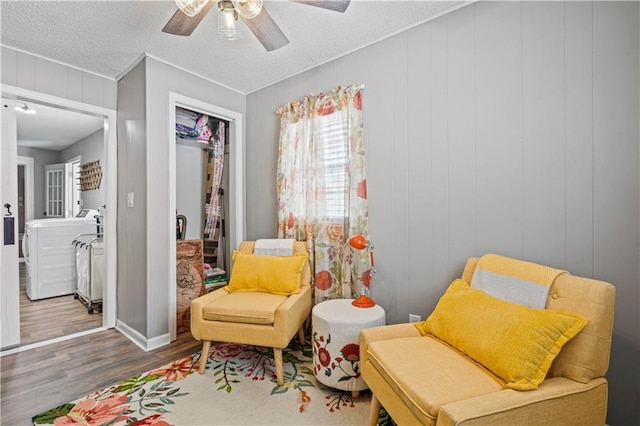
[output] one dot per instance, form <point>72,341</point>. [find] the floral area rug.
<point>237,388</point>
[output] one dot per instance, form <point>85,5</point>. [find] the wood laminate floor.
<point>46,319</point>
<point>39,379</point>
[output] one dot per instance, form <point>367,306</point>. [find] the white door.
<point>55,189</point>
<point>9,289</point>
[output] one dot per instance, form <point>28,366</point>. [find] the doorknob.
<point>8,207</point>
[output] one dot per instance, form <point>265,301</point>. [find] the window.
<point>331,167</point>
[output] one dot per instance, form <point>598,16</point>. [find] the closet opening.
<point>202,182</point>
<point>207,176</point>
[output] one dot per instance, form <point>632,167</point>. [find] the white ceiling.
<point>53,128</point>
<point>107,37</point>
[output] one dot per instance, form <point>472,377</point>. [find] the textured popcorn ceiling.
<point>106,37</point>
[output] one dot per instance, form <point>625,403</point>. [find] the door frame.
<point>29,188</point>
<point>72,187</point>
<point>9,254</point>
<point>55,202</point>
<point>236,184</point>
<point>109,308</point>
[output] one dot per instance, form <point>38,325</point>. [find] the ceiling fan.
<point>255,17</point>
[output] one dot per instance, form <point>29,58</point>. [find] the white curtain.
<point>321,186</point>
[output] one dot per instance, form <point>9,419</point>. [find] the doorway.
<point>25,197</point>
<point>234,202</point>
<point>34,207</point>
<point>57,140</point>
<point>74,199</point>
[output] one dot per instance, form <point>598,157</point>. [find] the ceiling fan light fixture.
<point>24,108</point>
<point>248,9</point>
<point>228,28</point>
<point>191,7</point>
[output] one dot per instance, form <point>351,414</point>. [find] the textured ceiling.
<point>107,37</point>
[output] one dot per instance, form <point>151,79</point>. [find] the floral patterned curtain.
<point>321,186</point>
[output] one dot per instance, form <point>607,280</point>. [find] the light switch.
<point>130,199</point>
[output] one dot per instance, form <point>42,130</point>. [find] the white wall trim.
<point>10,276</point>
<point>158,341</point>
<point>236,192</point>
<point>110,155</point>
<point>369,43</point>
<point>46,58</point>
<point>139,340</point>
<point>192,73</point>
<point>131,66</point>
<point>28,164</point>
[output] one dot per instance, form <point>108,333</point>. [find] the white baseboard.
<point>141,341</point>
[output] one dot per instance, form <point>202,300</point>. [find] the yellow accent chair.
<point>422,377</point>
<point>259,318</point>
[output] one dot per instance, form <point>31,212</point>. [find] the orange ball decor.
<point>359,242</point>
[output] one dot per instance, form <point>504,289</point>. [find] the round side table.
<point>336,328</point>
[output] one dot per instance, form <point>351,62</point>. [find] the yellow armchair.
<point>252,317</point>
<point>422,380</point>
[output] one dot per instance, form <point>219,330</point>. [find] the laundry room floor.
<point>53,317</point>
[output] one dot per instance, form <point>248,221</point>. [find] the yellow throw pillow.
<point>269,274</point>
<point>515,342</point>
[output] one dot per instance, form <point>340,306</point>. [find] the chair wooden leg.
<point>277,354</point>
<point>374,411</point>
<point>204,356</point>
<point>301,335</point>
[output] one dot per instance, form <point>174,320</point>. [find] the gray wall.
<point>33,73</point>
<point>191,177</point>
<point>90,148</point>
<point>132,230</point>
<point>162,79</point>
<point>508,127</point>
<point>29,72</point>
<point>145,230</point>
<point>41,157</point>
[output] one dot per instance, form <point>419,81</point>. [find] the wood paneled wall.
<point>41,75</point>
<point>507,127</point>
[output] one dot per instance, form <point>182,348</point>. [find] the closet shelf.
<point>192,142</point>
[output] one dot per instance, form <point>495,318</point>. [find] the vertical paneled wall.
<point>41,157</point>
<point>161,79</point>
<point>507,127</point>
<point>90,148</point>
<point>41,75</point>
<point>132,219</point>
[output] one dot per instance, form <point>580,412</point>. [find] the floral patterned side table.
<point>336,342</point>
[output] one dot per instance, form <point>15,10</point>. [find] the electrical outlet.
<point>414,318</point>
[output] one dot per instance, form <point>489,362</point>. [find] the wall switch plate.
<point>130,199</point>
<point>414,318</point>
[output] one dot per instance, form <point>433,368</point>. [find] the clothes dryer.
<point>49,253</point>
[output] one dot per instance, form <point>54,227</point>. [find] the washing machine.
<point>49,253</point>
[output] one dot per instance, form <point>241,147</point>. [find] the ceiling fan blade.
<point>336,5</point>
<point>267,31</point>
<point>183,25</point>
